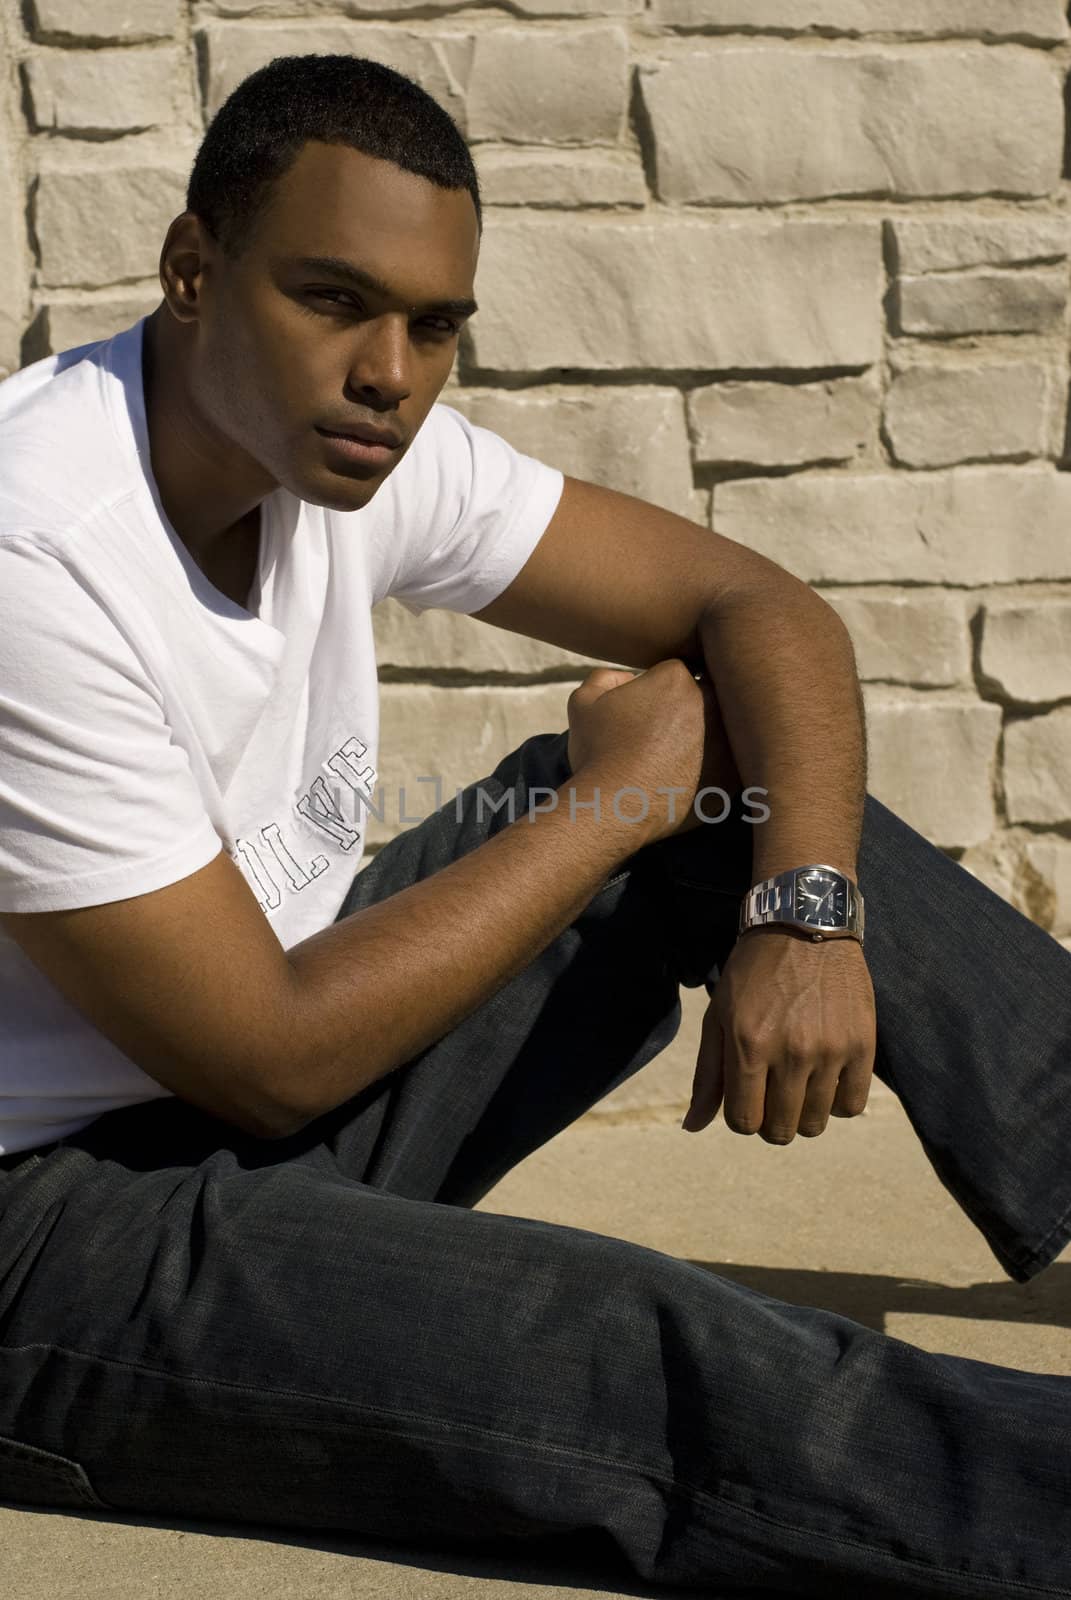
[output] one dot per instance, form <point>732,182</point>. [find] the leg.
<point>973,1005</point>
<point>173,1311</point>
<point>281,1344</point>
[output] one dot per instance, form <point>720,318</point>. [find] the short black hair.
<point>259,130</point>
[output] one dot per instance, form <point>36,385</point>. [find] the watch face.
<point>821,899</point>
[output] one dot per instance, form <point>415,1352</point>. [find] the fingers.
<point>777,1101</point>
<point>709,1081</point>
<point>797,1037</point>
<point>596,684</point>
<point>853,1090</point>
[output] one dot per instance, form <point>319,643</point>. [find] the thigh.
<point>286,1345</point>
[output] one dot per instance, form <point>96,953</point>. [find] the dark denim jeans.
<point>319,1332</point>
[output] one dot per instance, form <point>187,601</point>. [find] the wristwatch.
<point>818,900</point>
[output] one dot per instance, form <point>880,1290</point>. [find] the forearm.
<point>375,989</point>
<point>783,668</point>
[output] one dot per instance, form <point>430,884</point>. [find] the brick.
<point>439,61</point>
<point>937,415</point>
<point>1037,767</point>
<point>1039,21</point>
<point>554,87</point>
<point>973,525</point>
<point>455,735</point>
<point>558,86</point>
<point>138,196</point>
<point>950,303</point>
<point>1026,648</point>
<point>931,761</point>
<point>911,636</point>
<point>998,863</point>
<point>562,178</point>
<point>1051,860</point>
<point>65,324</point>
<point>104,91</point>
<point>103,21</point>
<point>944,244</point>
<point>783,424</point>
<point>634,440</point>
<point>602,295</point>
<point>906,121</point>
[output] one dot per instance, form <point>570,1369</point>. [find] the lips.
<point>366,435</point>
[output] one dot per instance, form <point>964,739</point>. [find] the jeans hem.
<point>1048,1248</point>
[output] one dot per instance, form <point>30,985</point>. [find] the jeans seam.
<point>972,1576</point>
<point>581,1456</point>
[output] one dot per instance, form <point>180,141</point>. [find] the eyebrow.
<point>339,267</point>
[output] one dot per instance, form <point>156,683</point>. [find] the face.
<point>286,348</point>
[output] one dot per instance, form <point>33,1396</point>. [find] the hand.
<point>788,1037</point>
<point>650,730</point>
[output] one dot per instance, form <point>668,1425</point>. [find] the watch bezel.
<point>838,880</point>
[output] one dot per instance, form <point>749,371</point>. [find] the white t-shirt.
<point>147,721</point>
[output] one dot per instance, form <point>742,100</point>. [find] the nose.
<point>380,364</point>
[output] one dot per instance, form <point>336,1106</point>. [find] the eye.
<point>444,327</point>
<point>325,294</point>
<point>447,326</point>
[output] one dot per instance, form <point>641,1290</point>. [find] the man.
<point>240,1276</point>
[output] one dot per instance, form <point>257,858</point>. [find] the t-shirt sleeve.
<point>97,801</point>
<point>481,508</point>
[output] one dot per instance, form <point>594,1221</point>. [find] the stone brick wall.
<point>796,271</point>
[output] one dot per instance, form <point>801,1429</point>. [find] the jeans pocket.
<point>32,1476</point>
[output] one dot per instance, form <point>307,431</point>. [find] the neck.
<point>207,498</point>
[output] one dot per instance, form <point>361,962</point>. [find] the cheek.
<point>276,402</point>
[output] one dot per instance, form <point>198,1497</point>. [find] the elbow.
<point>280,1126</point>
<point>275,1116</point>
<point>260,1116</point>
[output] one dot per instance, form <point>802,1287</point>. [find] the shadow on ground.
<point>870,1298</point>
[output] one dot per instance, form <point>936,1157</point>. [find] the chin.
<point>335,491</point>
<point>362,490</point>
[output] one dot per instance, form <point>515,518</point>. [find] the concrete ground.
<point>854,1221</point>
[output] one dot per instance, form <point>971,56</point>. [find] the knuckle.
<point>800,1045</point>
<point>850,1108</point>
<point>750,1065</point>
